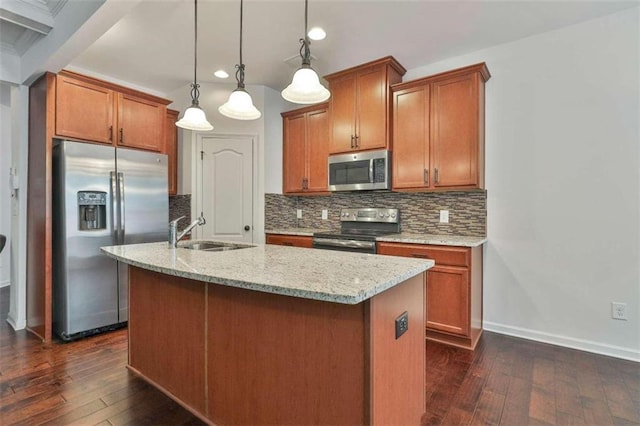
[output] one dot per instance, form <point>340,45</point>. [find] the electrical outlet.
<point>444,216</point>
<point>619,311</point>
<point>325,214</point>
<point>299,214</point>
<point>402,324</point>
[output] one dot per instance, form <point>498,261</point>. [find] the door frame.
<point>196,138</point>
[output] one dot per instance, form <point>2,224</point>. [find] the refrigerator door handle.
<point>121,191</point>
<point>115,224</point>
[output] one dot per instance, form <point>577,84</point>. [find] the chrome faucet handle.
<point>175,221</point>
<point>201,220</point>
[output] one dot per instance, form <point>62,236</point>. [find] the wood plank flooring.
<point>505,381</point>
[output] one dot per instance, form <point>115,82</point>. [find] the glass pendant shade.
<point>240,106</point>
<point>305,88</point>
<point>194,119</point>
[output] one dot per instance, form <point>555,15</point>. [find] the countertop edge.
<point>301,293</point>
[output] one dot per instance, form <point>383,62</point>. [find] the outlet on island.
<point>325,214</point>
<point>402,324</point>
<point>299,214</point>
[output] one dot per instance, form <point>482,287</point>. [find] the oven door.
<point>345,245</point>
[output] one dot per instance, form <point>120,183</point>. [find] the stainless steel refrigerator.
<point>102,196</point>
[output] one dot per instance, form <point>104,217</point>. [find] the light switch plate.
<point>444,216</point>
<point>299,213</point>
<point>325,214</point>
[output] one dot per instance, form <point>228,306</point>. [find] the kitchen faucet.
<point>173,229</point>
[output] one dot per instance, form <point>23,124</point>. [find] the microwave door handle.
<point>371,169</point>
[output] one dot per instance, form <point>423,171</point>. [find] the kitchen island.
<point>279,335</point>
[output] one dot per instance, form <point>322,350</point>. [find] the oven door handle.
<point>345,244</point>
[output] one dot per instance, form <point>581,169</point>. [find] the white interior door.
<point>224,180</point>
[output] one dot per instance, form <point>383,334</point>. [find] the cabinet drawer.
<point>442,255</point>
<point>290,240</point>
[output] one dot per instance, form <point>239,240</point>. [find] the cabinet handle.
<point>435,177</point>
<point>420,255</point>
<point>426,176</point>
<point>357,141</point>
<point>121,135</point>
<point>111,133</point>
<point>352,141</point>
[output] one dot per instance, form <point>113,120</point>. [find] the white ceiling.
<point>152,46</point>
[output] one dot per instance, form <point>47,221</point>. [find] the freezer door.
<point>144,206</point>
<point>84,281</point>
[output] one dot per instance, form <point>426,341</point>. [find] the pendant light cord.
<point>240,66</point>
<point>306,55</point>
<point>195,91</point>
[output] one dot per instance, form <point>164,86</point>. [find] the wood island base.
<point>237,356</point>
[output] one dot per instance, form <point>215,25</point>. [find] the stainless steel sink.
<point>213,246</point>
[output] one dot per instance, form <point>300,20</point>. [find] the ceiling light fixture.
<point>194,117</point>
<point>240,105</point>
<point>221,74</point>
<point>317,33</point>
<point>305,87</point>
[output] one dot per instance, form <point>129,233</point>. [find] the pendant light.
<point>305,87</point>
<point>194,117</point>
<point>240,106</point>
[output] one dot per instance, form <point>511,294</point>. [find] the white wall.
<point>563,181</point>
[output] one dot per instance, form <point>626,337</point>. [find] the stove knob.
<point>346,214</point>
<point>381,215</point>
<point>393,215</point>
<point>386,215</point>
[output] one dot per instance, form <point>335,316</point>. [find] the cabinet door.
<point>371,110</point>
<point>84,110</point>
<point>171,149</point>
<point>290,240</point>
<point>140,123</point>
<point>447,299</point>
<point>411,138</point>
<point>317,150</point>
<point>343,118</point>
<point>293,173</point>
<point>454,131</point>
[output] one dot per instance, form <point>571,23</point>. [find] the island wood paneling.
<point>167,327</point>
<point>397,365</point>
<point>283,360</point>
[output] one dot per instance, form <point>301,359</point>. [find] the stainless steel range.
<point>359,229</point>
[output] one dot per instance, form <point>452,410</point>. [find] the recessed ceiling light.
<point>317,33</point>
<point>221,74</point>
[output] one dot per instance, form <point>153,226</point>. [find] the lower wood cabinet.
<point>290,240</point>
<point>171,149</point>
<point>453,290</point>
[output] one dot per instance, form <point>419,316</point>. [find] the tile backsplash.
<point>180,205</point>
<point>419,211</point>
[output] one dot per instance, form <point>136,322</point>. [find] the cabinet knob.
<point>435,175</point>
<point>121,135</point>
<point>426,176</point>
<point>247,227</point>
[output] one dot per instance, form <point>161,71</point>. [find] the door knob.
<point>247,227</point>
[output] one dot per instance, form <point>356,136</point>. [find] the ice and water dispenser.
<point>92,210</point>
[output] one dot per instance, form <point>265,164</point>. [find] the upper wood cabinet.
<point>359,105</point>
<point>97,111</point>
<point>305,150</point>
<point>171,149</point>
<point>84,110</point>
<point>438,131</point>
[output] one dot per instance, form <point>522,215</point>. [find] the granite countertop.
<point>332,276</point>
<point>404,237</point>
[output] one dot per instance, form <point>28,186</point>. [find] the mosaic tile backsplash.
<point>419,211</point>
<point>180,205</point>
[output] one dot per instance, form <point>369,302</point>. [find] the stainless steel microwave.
<point>360,171</point>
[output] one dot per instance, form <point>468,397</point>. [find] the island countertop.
<point>333,276</point>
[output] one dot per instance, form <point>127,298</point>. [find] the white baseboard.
<point>17,325</point>
<point>568,342</point>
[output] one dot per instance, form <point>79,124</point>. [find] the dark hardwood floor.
<point>504,381</point>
